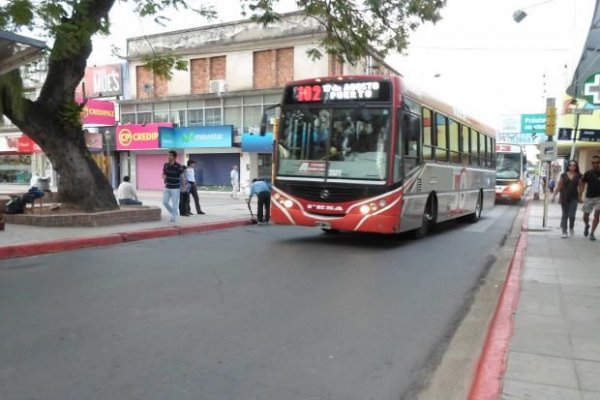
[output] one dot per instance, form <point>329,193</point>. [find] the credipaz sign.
<point>196,136</point>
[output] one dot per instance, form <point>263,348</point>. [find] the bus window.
<point>427,135</point>
<point>474,147</point>
<point>453,139</point>
<point>334,143</point>
<point>441,151</point>
<point>465,148</point>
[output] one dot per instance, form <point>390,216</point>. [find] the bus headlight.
<point>515,187</point>
<point>364,209</point>
<point>288,203</point>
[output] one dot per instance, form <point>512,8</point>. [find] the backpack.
<point>15,206</point>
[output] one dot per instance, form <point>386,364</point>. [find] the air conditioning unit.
<point>218,86</point>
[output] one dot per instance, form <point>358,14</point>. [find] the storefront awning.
<point>589,63</point>
<point>17,50</point>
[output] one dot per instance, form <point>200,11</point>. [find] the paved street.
<point>253,312</point>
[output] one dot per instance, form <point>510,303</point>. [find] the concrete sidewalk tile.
<point>580,280</point>
<point>547,344</point>
<point>518,390</point>
<point>590,395</point>
<point>539,262</point>
<point>589,374</point>
<point>586,349</point>
<point>541,324</point>
<point>581,290</point>
<point>584,329</point>
<point>532,305</point>
<point>549,292</point>
<point>542,369</point>
<point>540,275</point>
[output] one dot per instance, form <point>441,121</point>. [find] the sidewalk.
<point>221,211</point>
<point>554,351</point>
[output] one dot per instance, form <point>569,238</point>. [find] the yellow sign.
<point>550,120</point>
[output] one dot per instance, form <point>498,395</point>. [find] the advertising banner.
<point>93,140</point>
<point>139,137</point>
<point>196,136</point>
<point>102,81</point>
<point>97,112</point>
<point>255,143</point>
<point>533,123</point>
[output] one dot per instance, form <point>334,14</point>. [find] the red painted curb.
<point>212,226</point>
<point>54,246</point>
<point>489,373</point>
<point>150,233</point>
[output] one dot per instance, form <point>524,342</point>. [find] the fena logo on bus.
<point>324,207</point>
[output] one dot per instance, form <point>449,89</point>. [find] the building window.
<point>195,117</point>
<point>213,116</point>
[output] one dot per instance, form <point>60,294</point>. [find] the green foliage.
<point>70,113</point>
<point>163,64</point>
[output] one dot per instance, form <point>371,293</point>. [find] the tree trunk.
<point>52,122</point>
<point>81,183</point>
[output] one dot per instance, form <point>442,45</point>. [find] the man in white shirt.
<point>126,193</point>
<point>235,180</point>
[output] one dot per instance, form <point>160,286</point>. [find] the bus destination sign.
<point>338,91</point>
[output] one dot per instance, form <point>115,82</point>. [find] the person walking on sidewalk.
<point>591,178</point>
<point>567,188</point>
<point>234,175</point>
<point>263,193</point>
<point>190,177</point>
<point>174,179</point>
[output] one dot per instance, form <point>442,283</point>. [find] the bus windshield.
<point>339,143</point>
<point>508,166</point>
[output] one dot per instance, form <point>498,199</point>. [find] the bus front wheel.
<point>422,231</point>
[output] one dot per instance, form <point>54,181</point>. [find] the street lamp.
<point>519,15</point>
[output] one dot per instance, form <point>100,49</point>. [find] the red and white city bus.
<point>372,154</point>
<point>511,172</point>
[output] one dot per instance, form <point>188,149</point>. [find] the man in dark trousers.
<point>592,197</point>
<point>190,176</point>
<point>263,193</point>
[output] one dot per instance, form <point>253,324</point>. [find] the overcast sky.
<point>486,64</point>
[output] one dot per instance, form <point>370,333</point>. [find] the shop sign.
<point>584,135</point>
<point>98,112</point>
<point>533,123</point>
<point>196,136</point>
<point>20,144</point>
<point>102,81</point>
<point>255,143</point>
<point>93,140</point>
<point>139,137</point>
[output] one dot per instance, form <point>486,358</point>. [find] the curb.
<point>489,373</point>
<point>55,246</point>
